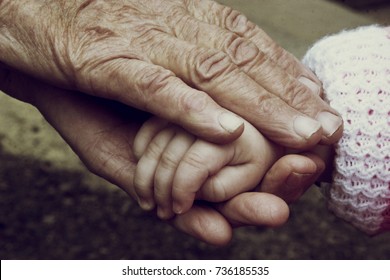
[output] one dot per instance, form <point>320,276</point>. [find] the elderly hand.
<point>290,176</point>
<point>102,134</point>
<point>193,62</point>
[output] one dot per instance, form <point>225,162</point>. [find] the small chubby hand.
<point>175,167</point>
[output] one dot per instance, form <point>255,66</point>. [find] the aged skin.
<point>193,62</point>
<point>185,61</point>
<point>102,135</point>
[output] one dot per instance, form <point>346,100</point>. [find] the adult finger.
<point>205,223</point>
<point>292,175</point>
<point>255,62</point>
<point>245,209</point>
<point>261,58</point>
<point>159,91</point>
<point>234,21</point>
<point>213,71</point>
<point>257,209</point>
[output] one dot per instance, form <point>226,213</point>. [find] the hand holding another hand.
<point>102,135</point>
<point>195,63</point>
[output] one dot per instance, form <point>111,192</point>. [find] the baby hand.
<point>175,168</point>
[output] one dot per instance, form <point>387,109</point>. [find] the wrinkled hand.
<point>102,134</point>
<point>192,62</point>
<point>175,168</point>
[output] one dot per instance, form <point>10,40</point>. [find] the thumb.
<point>292,175</point>
<point>206,224</point>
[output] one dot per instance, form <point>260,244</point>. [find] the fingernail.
<point>160,212</point>
<point>305,126</point>
<point>330,123</point>
<point>310,84</point>
<point>230,122</point>
<point>164,213</point>
<point>145,204</point>
<point>177,208</point>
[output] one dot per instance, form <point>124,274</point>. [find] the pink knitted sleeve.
<point>354,67</point>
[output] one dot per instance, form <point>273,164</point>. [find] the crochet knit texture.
<point>354,67</point>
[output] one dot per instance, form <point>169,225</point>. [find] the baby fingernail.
<point>163,213</point>
<point>230,122</point>
<point>310,84</point>
<point>160,213</point>
<point>177,208</point>
<point>145,204</point>
<point>330,123</point>
<point>305,126</point>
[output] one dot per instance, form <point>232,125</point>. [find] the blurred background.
<point>51,207</point>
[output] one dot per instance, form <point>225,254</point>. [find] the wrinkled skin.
<point>102,135</point>
<point>192,62</point>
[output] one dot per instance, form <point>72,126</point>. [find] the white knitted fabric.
<point>354,67</point>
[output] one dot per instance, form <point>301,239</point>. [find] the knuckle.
<point>147,36</point>
<point>210,65</point>
<point>283,58</point>
<point>295,95</point>
<point>288,90</point>
<point>154,80</point>
<point>237,22</point>
<point>152,86</point>
<point>262,59</point>
<point>193,102</point>
<point>174,13</point>
<point>268,105</point>
<point>181,22</point>
<point>241,51</point>
<point>77,54</point>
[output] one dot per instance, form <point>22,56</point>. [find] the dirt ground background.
<point>51,207</point>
